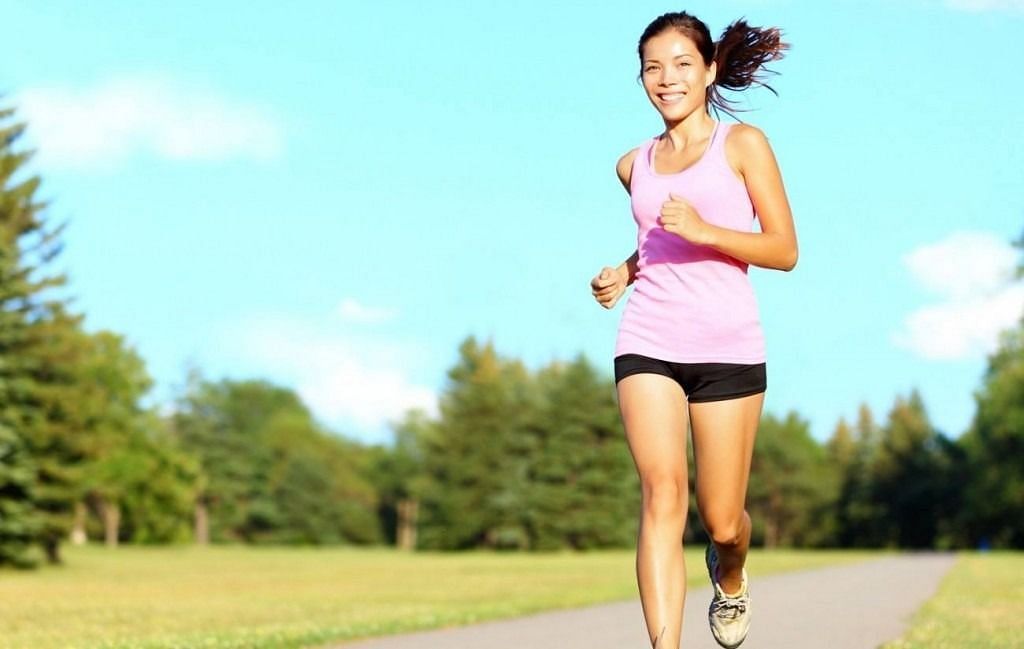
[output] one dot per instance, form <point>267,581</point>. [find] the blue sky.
<point>334,195</point>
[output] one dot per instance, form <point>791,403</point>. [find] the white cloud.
<point>974,274</point>
<point>986,5</point>
<point>107,123</point>
<point>962,328</point>
<point>964,264</point>
<point>345,381</point>
<point>352,311</point>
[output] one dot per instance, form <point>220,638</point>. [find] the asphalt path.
<point>851,606</point>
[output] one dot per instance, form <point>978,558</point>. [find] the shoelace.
<point>726,607</point>
<point>729,607</point>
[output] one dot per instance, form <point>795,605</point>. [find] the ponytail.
<point>741,53</point>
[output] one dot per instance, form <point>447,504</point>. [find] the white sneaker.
<point>729,615</point>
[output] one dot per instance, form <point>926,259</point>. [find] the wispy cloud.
<point>986,5</point>
<point>106,124</point>
<point>973,273</point>
<point>352,311</point>
<point>347,381</point>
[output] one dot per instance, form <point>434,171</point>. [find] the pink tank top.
<point>690,303</point>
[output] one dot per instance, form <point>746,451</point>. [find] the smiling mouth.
<point>671,97</point>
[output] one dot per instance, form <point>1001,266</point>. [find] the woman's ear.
<point>711,75</point>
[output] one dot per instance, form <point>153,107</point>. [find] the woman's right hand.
<point>607,286</point>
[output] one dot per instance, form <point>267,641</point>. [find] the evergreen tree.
<point>57,438</point>
<point>39,354</point>
<point>840,456</point>
<point>582,486</point>
<point>994,445</point>
<point>909,478</point>
<point>857,515</point>
<point>19,523</point>
<point>477,462</point>
<point>790,483</point>
<point>841,447</point>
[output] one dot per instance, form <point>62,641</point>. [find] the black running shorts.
<point>700,381</point>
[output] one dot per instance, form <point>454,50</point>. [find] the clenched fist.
<point>607,287</point>
<point>682,220</point>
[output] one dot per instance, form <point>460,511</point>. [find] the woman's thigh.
<point>654,414</point>
<point>723,444</point>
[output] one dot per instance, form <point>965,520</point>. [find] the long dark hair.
<point>741,53</point>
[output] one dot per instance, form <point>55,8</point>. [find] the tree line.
<point>516,459</point>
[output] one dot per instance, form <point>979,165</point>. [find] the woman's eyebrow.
<point>677,56</point>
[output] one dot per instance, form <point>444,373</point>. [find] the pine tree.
<point>38,345</point>
<point>995,445</point>
<point>789,482</point>
<point>477,462</point>
<point>857,515</point>
<point>909,477</point>
<point>582,488</point>
<point>19,522</point>
<point>841,447</point>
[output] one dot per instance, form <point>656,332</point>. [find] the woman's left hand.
<point>681,219</point>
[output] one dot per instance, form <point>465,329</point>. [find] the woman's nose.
<point>669,76</point>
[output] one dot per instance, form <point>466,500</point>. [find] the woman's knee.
<point>725,530</point>
<point>666,496</point>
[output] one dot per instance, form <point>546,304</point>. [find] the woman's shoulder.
<point>743,134</point>
<point>742,142</point>
<point>624,166</point>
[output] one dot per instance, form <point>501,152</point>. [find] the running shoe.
<point>729,615</point>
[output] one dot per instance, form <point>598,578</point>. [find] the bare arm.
<point>624,169</point>
<point>627,269</point>
<point>775,246</point>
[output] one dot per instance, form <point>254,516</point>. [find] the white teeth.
<point>671,97</point>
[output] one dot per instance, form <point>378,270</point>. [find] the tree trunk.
<point>773,520</point>
<point>202,524</point>
<point>78,535</point>
<point>771,531</point>
<point>111,522</point>
<point>51,545</point>
<point>407,512</point>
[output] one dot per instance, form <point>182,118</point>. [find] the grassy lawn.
<point>191,597</point>
<point>979,605</point>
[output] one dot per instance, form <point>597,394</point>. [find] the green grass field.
<point>979,605</point>
<point>219,597</point>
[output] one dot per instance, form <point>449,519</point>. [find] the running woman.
<point>690,349</point>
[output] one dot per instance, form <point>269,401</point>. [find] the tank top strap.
<point>645,152</point>
<point>716,149</point>
<point>642,161</point>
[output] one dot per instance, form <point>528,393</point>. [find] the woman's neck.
<point>694,127</point>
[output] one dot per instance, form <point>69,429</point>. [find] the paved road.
<point>856,606</point>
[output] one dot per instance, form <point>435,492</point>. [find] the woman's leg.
<point>723,444</point>
<point>653,411</point>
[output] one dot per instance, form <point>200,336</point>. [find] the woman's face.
<point>674,74</point>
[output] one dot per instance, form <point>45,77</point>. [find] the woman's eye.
<point>682,63</point>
